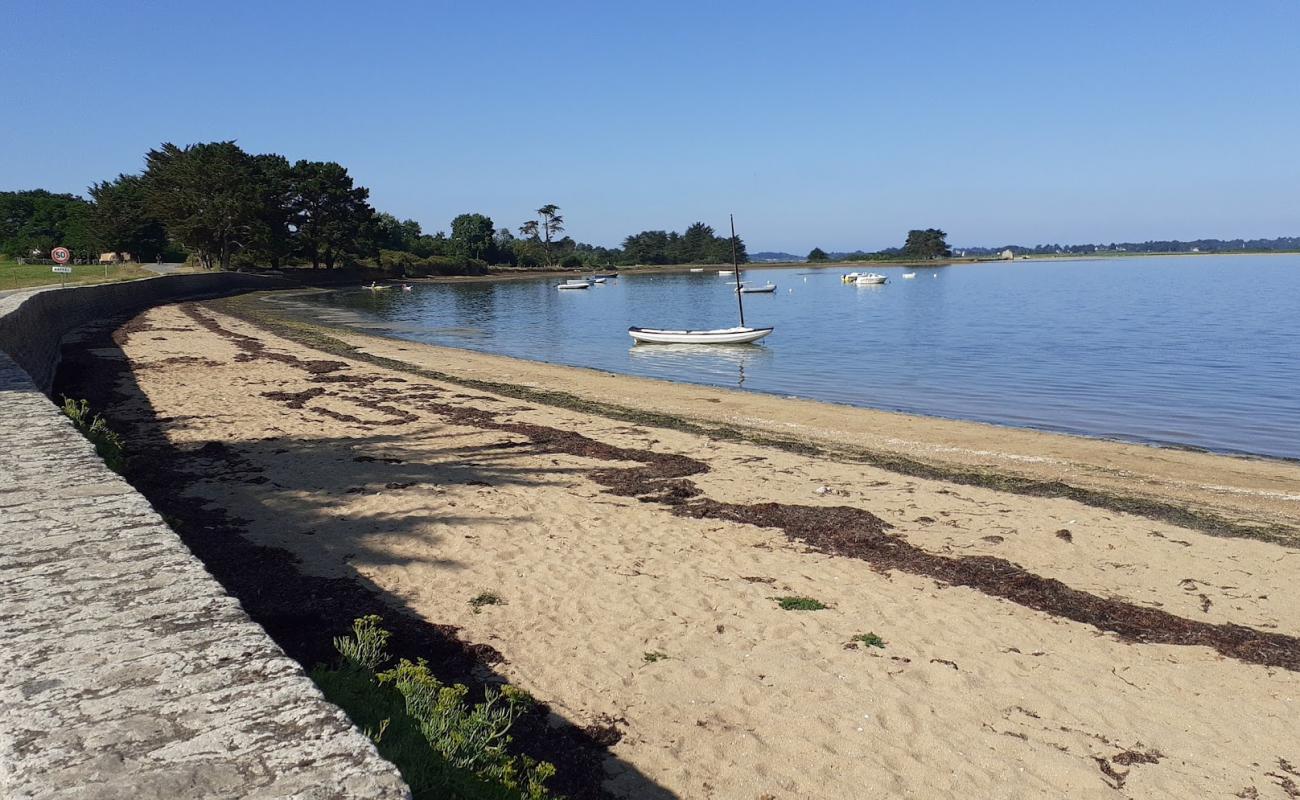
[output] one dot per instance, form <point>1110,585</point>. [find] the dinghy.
<point>720,336</point>
<point>595,279</point>
<point>725,272</point>
<point>573,284</point>
<point>738,335</point>
<point>768,289</point>
<point>697,269</point>
<point>907,276</point>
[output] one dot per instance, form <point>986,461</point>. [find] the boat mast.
<point>735,267</point>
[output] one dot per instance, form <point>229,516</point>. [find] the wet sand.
<point>1033,646</point>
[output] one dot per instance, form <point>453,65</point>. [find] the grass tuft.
<point>485,599</point>
<point>869,640</point>
<point>653,656</point>
<point>800,603</point>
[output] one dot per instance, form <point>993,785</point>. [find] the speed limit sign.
<point>60,255</point>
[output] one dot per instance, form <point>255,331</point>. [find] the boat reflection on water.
<point>724,363</point>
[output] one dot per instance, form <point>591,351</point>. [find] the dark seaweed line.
<point>316,336</point>
<point>845,531</point>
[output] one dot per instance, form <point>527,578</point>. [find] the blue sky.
<point>835,124</point>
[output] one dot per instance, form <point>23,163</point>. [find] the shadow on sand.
<point>302,611</point>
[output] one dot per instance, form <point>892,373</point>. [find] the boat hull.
<point>721,336</point>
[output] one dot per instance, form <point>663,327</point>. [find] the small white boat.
<point>907,276</point>
<point>594,279</point>
<point>573,284</point>
<point>725,272</point>
<point>721,336</point>
<point>870,279</point>
<point>697,269</point>
<point>768,289</point>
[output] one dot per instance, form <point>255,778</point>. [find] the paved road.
<point>163,269</point>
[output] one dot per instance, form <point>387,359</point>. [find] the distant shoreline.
<point>512,274</point>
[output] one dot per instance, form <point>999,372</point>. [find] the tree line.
<point>922,244</point>
<point>230,209</point>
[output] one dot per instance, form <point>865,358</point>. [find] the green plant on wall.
<point>108,444</point>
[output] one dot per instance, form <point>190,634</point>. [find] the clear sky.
<point>835,124</point>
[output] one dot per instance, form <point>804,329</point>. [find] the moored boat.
<point>739,335</point>
<point>573,284</point>
<point>767,289</point>
<point>870,279</point>
<point>907,276</point>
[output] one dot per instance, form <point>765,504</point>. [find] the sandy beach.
<point>1033,646</point>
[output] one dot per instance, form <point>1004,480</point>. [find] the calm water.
<point>1196,351</point>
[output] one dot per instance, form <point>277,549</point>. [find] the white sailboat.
<point>738,335</point>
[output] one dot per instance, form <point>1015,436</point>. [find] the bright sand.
<point>971,697</point>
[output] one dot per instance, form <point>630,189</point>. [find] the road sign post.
<point>61,256</point>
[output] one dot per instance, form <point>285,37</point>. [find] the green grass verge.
<point>22,276</point>
<point>311,334</point>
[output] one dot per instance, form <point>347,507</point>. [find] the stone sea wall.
<point>126,671</point>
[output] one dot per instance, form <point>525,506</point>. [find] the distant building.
<point>1008,254</point>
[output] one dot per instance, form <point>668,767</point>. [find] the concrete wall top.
<point>126,671</point>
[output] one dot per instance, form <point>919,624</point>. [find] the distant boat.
<point>720,336</point>
<point>595,279</point>
<point>907,276</point>
<point>737,335</point>
<point>870,279</point>
<point>697,269</point>
<point>768,289</point>
<point>375,287</point>
<point>608,275</point>
<point>573,284</point>
<point>727,272</point>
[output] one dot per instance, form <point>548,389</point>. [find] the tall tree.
<point>551,224</point>
<point>928,243</point>
<point>333,215</point>
<point>696,244</point>
<point>273,231</point>
<point>818,254</point>
<point>471,235</point>
<point>122,219</point>
<point>205,194</point>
